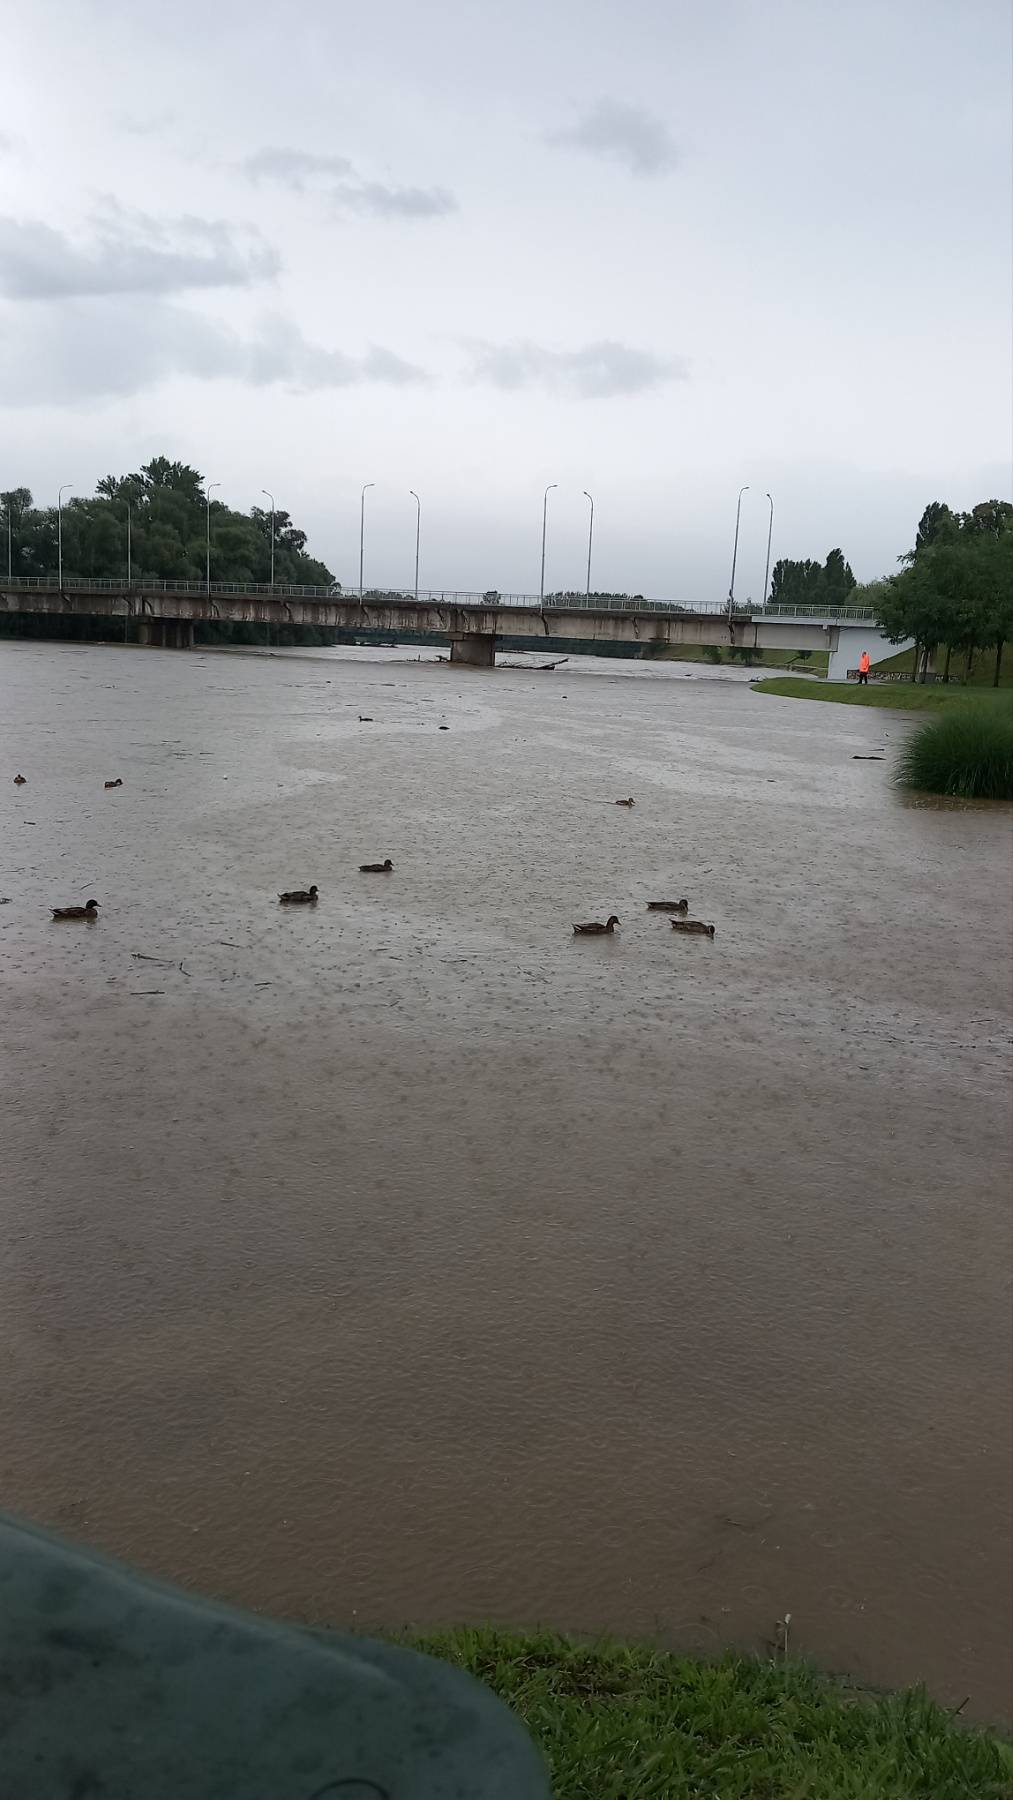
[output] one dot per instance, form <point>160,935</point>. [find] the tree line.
<point>955,590</point>
<point>809,583</point>
<point>163,507</point>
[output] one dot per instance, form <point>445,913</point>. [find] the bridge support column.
<point>477,650</point>
<point>166,634</point>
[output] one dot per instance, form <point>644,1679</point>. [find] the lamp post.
<point>207,560</point>
<point>735,551</point>
<point>418,535</point>
<point>362,528</point>
<point>590,534</point>
<point>545,514</point>
<point>10,564</point>
<point>129,548</point>
<point>59,532</point>
<point>270,496</point>
<point>770,533</point>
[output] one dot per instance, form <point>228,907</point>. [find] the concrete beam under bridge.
<point>477,650</point>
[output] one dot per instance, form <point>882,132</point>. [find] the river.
<point>406,1260</point>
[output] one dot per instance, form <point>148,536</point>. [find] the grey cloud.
<point>298,170</point>
<point>343,188</point>
<point>598,371</point>
<point>624,133</point>
<point>128,253</point>
<point>88,350</point>
<point>374,197</point>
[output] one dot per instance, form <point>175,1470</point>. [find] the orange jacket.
<point>864,663</point>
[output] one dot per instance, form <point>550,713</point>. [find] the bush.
<point>966,753</point>
<point>712,653</point>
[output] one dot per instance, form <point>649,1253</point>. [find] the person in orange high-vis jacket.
<point>864,665</point>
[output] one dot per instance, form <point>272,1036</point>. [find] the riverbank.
<point>899,696</point>
<point>627,1720</point>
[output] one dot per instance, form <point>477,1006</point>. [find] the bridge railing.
<point>489,600</point>
<point>859,615</point>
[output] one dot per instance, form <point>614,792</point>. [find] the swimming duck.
<point>384,868</point>
<point>679,906</point>
<point>19,780</point>
<point>629,802</point>
<point>300,896</point>
<point>593,929</point>
<point>117,783</point>
<point>695,926</point>
<point>88,911</point>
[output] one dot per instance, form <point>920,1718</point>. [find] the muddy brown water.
<point>406,1260</point>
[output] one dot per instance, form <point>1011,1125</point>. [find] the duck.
<point>384,868</point>
<point>117,783</point>
<point>629,802</point>
<point>300,896</point>
<point>19,780</point>
<point>88,911</point>
<point>694,926</point>
<point>679,906</point>
<point>594,929</point>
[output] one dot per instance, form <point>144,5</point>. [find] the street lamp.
<point>418,534</point>
<point>735,551</point>
<point>59,532</point>
<point>9,562</point>
<point>362,528</point>
<point>207,566</point>
<point>545,511</point>
<point>770,533</point>
<point>270,496</point>
<point>590,534</point>
<point>129,547</point>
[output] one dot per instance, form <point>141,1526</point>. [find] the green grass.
<point>816,663</point>
<point>967,753</point>
<point>619,1722</point>
<point>900,696</point>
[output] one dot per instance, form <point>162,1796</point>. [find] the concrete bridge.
<point>165,613</point>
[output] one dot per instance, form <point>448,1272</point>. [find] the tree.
<point>796,583</point>
<point>937,522</point>
<point>989,518</point>
<point>837,579</point>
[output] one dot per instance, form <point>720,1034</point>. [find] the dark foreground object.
<point>113,1687</point>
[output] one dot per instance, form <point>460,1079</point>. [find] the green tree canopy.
<point>809,583</point>
<point>168,520</point>
<point>957,590</point>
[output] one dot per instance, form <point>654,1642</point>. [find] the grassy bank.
<point>619,1722</point>
<point>721,655</point>
<point>900,696</point>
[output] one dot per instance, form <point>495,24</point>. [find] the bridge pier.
<point>477,650</point>
<point>165,634</point>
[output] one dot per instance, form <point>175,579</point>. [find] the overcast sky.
<point>651,248</point>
